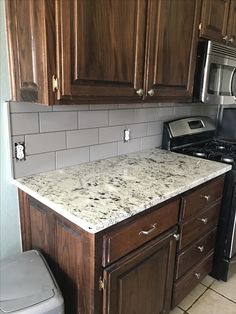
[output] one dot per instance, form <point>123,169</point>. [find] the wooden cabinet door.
<point>214,19</point>
<point>231,30</point>
<point>141,283</point>
<point>100,49</point>
<point>171,48</point>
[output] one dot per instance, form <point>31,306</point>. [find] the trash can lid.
<point>24,281</point>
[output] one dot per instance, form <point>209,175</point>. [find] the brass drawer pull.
<point>153,227</point>
<point>203,220</point>
<point>206,197</point>
<point>198,275</point>
<point>176,236</point>
<point>200,248</point>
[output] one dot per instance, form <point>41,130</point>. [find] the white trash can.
<point>28,286</point>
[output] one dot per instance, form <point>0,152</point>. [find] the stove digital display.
<point>196,124</point>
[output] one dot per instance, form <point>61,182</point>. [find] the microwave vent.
<point>215,48</point>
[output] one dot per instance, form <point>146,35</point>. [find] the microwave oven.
<point>215,78</point>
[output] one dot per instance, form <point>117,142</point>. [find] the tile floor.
<point>210,297</point>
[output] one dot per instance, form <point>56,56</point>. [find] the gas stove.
<point>218,150</point>
<point>199,137</point>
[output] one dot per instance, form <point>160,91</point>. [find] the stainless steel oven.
<point>215,80</point>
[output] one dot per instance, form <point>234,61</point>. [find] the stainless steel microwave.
<point>215,79</point>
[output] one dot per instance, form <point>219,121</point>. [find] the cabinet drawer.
<point>199,225</point>
<point>124,239</point>
<point>202,197</point>
<point>195,253</point>
<point>191,279</point>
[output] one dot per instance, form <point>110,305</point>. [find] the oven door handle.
<point>231,83</point>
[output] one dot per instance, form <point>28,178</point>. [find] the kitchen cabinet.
<point>218,21</point>
<point>91,267</point>
<point>198,224</point>
<point>102,51</point>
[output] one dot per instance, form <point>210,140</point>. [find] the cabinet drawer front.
<point>199,225</point>
<point>124,239</point>
<point>202,197</point>
<point>191,279</point>
<point>194,254</point>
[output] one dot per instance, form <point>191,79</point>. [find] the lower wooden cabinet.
<point>141,283</point>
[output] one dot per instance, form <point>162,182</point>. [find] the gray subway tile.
<point>146,115</point>
<point>164,113</point>
<point>111,134</point>
<point>103,106</point>
<point>155,128</point>
<point>138,130</point>
<point>57,121</point>
<point>24,123</point>
<point>149,142</point>
<point>70,157</point>
<point>133,145</point>
<point>103,151</point>
<point>45,142</point>
<point>92,119</point>
<point>82,138</point>
<point>34,164</point>
<point>130,106</point>
<point>70,107</point>
<point>21,107</point>
<point>182,111</point>
<point>118,117</point>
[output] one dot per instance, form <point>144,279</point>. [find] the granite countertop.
<point>99,194</point>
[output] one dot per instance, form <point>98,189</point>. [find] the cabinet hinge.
<point>54,83</point>
<point>200,26</point>
<point>101,284</point>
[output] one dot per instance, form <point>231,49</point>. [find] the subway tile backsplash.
<point>61,136</point>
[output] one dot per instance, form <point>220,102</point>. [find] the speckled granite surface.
<point>99,194</point>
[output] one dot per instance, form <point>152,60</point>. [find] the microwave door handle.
<point>231,83</point>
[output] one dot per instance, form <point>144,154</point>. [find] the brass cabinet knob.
<point>231,40</point>
<point>140,92</point>
<point>151,92</point>
<point>225,38</point>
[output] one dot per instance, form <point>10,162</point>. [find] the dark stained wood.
<point>24,221</point>
<point>231,30</point>
<point>172,30</point>
<point>121,241</point>
<point>196,200</point>
<point>214,19</point>
<point>100,48</point>
<point>141,283</point>
<point>195,253</point>
<point>191,279</point>
<point>28,46</point>
<point>195,227</point>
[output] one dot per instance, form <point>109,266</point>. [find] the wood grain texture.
<point>142,282</point>
<point>190,280</point>
<point>100,48</point>
<point>124,239</point>
<point>214,19</point>
<point>172,29</point>
<point>231,29</point>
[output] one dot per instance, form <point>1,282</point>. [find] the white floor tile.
<point>176,310</point>
<point>212,303</point>
<point>192,297</point>
<point>207,281</point>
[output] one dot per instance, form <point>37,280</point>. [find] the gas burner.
<point>200,154</point>
<point>227,159</point>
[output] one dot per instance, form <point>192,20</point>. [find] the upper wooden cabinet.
<point>219,21</point>
<point>102,51</point>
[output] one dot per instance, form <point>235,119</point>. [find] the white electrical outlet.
<point>126,135</point>
<point>20,151</point>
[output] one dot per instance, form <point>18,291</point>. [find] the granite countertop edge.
<point>95,228</point>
